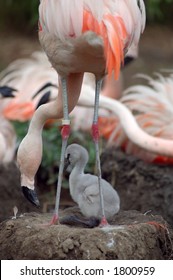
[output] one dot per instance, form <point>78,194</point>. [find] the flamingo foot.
<point>31,196</point>
<point>103,222</point>
<point>54,220</point>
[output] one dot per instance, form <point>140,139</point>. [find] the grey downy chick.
<point>84,188</point>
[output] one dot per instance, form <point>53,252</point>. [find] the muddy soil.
<point>131,235</point>
<point>142,186</point>
<point>11,194</point>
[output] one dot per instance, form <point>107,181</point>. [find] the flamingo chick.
<point>78,36</point>
<point>84,188</point>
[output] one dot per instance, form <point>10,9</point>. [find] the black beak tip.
<point>31,196</point>
<point>7,92</point>
<point>128,60</point>
<point>67,162</point>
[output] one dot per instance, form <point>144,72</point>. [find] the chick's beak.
<point>67,162</point>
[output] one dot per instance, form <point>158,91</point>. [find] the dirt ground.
<point>144,187</point>
<point>131,235</point>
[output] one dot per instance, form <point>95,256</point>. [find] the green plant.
<point>19,14</point>
<point>159,10</point>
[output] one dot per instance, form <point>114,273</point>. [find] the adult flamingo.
<point>28,83</point>
<point>7,133</point>
<point>78,36</point>
<point>152,107</point>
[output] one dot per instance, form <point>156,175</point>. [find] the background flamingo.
<point>7,141</point>
<point>27,83</point>
<point>7,132</point>
<point>30,82</point>
<point>6,91</point>
<point>23,88</point>
<point>94,41</point>
<point>152,106</point>
<point>33,82</point>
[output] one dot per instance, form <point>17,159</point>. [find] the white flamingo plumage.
<point>7,133</point>
<point>78,36</point>
<point>152,106</point>
<point>7,141</point>
<point>23,87</point>
<point>35,83</point>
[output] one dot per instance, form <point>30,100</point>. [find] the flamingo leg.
<point>65,132</point>
<point>95,134</point>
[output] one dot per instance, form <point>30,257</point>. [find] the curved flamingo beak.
<point>19,111</point>
<point>31,196</point>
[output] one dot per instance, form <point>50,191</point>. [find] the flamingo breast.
<point>116,22</point>
<point>75,55</point>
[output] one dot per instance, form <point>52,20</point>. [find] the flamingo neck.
<point>76,177</point>
<point>42,114</point>
<point>54,109</point>
<point>78,170</point>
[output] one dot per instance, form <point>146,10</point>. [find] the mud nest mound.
<point>131,235</point>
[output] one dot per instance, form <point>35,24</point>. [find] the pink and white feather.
<point>152,106</point>
<point>32,78</point>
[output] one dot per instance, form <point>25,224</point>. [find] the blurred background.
<point>18,38</point>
